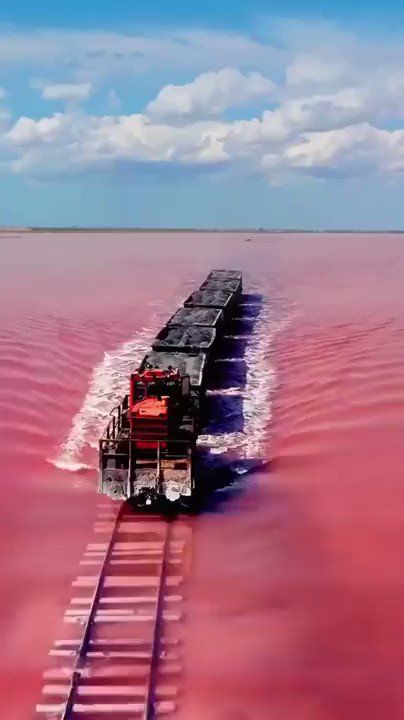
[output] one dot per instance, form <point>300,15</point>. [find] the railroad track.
<point>120,656</point>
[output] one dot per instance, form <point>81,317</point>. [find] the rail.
<point>101,681</point>
<point>83,649</point>
<point>150,700</point>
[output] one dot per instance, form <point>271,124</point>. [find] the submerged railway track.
<point>120,654</point>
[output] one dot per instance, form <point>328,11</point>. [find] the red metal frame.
<point>149,416</point>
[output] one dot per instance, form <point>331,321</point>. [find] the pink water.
<point>296,590</point>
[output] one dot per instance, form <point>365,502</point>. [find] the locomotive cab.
<point>147,447</point>
<point>157,404</point>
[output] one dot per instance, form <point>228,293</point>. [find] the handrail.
<point>114,426</point>
<point>114,408</point>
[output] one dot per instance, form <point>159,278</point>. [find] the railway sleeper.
<point>126,599</point>
<point>111,655</point>
<point>113,671</point>
<point>124,708</point>
<point>163,692</point>
<point>143,613</point>
<point>122,618</point>
<point>126,642</point>
<point>150,561</point>
<point>128,581</point>
<point>135,546</point>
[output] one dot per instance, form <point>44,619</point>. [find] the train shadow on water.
<point>222,469</point>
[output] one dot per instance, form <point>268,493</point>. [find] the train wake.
<point>108,384</point>
<point>254,393</point>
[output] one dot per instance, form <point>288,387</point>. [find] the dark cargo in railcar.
<point>220,299</point>
<point>185,339</point>
<point>225,276</point>
<point>197,317</point>
<point>222,280</point>
<point>229,285</point>
<point>232,274</point>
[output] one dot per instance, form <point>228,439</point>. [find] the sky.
<point>214,114</point>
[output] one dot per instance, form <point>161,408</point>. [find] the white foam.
<point>70,465</point>
<point>109,383</point>
<point>256,394</point>
<point>226,392</point>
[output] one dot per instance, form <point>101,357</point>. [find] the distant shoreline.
<point>237,231</point>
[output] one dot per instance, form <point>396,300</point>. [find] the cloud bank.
<point>265,106</point>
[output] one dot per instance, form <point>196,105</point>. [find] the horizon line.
<point>135,228</point>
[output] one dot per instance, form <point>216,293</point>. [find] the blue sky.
<point>213,114</point>
<point>225,13</point>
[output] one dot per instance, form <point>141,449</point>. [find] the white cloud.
<point>2,93</point>
<point>353,151</point>
<point>326,116</point>
<point>49,130</point>
<point>90,56</point>
<point>67,91</point>
<point>76,143</point>
<point>313,69</point>
<point>293,117</point>
<point>209,94</point>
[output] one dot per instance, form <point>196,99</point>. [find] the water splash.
<point>67,464</point>
<point>109,383</point>
<point>256,395</point>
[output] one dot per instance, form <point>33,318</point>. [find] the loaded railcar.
<point>233,274</point>
<point>185,339</point>
<point>232,286</point>
<point>147,451</point>
<point>214,298</point>
<point>228,279</point>
<point>197,317</point>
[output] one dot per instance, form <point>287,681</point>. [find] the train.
<point>147,451</point>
